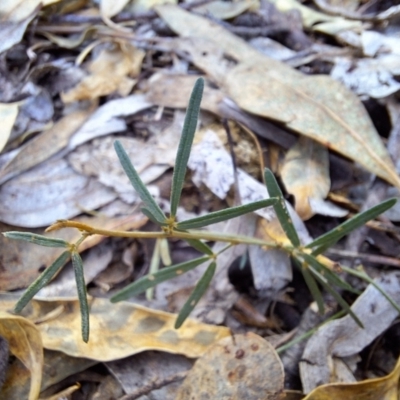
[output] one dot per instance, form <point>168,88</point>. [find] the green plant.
<point>317,270</point>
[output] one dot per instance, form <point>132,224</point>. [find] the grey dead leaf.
<point>227,370</point>
<point>344,338</point>
<point>48,192</point>
<point>45,145</point>
<point>14,19</point>
<point>315,106</point>
<point>147,369</point>
<point>305,174</point>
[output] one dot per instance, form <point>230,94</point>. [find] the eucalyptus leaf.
<point>37,239</point>
<point>42,280</point>
<point>327,240</point>
<point>280,208</point>
<point>152,280</point>
<point>148,200</point>
<point>185,144</point>
<point>223,215</point>
<point>196,295</point>
<point>82,294</point>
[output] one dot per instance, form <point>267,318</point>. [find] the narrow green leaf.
<point>223,215</point>
<point>331,276</point>
<point>200,246</point>
<point>314,289</point>
<point>149,281</point>
<point>196,295</point>
<point>336,295</point>
<point>185,144</point>
<point>82,295</point>
<point>150,204</point>
<point>42,280</point>
<point>280,208</point>
<point>365,277</point>
<point>327,240</point>
<point>151,217</point>
<point>37,239</point>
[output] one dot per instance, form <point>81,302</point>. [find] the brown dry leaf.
<point>48,143</point>
<point>8,115</point>
<point>237,367</point>
<point>314,106</point>
<point>26,345</point>
<point>116,330</point>
<point>111,71</point>
<point>385,388</point>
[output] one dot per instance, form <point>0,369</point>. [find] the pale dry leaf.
<point>45,145</point>
<point>8,115</point>
<point>48,192</point>
<point>237,367</point>
<point>316,106</point>
<point>117,330</point>
<point>225,10</point>
<point>109,8</point>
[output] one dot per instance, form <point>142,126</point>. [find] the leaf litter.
<point>73,76</point>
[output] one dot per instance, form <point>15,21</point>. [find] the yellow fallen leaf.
<point>385,388</point>
<point>117,330</point>
<point>26,345</point>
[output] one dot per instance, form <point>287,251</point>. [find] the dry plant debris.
<point>308,89</point>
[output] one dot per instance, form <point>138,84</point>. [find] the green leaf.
<point>365,277</point>
<point>148,200</point>
<point>223,215</point>
<point>280,208</point>
<point>42,280</point>
<point>37,239</point>
<point>327,240</point>
<point>185,144</point>
<point>196,295</point>
<point>200,246</point>
<point>149,281</point>
<point>151,217</point>
<point>330,275</point>
<point>322,280</point>
<point>314,289</point>
<point>82,295</point>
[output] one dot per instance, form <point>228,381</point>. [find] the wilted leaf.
<point>314,106</point>
<point>25,344</point>
<point>117,330</point>
<point>237,367</point>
